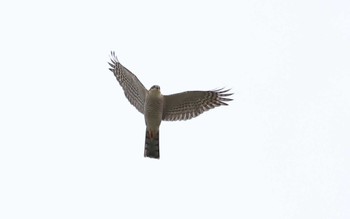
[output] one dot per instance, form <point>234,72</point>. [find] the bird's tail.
<point>152,144</point>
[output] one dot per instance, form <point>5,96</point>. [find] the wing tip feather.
<point>113,62</point>
<point>223,95</point>
<point>114,58</point>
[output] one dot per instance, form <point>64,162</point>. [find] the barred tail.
<point>152,144</point>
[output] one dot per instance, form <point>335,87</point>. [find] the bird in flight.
<point>157,107</point>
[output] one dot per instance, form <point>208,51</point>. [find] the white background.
<point>71,145</point>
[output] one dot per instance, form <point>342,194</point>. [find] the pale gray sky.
<point>71,145</point>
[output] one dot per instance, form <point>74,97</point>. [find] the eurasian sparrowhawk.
<point>157,107</point>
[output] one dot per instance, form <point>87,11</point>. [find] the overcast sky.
<point>71,145</point>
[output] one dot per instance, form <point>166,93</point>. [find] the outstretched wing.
<point>134,90</point>
<point>190,104</point>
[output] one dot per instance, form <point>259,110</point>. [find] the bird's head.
<point>155,87</point>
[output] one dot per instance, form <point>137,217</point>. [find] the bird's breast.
<point>153,110</point>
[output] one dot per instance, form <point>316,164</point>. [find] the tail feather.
<point>152,145</point>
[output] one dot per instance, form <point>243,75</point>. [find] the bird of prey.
<point>157,107</point>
